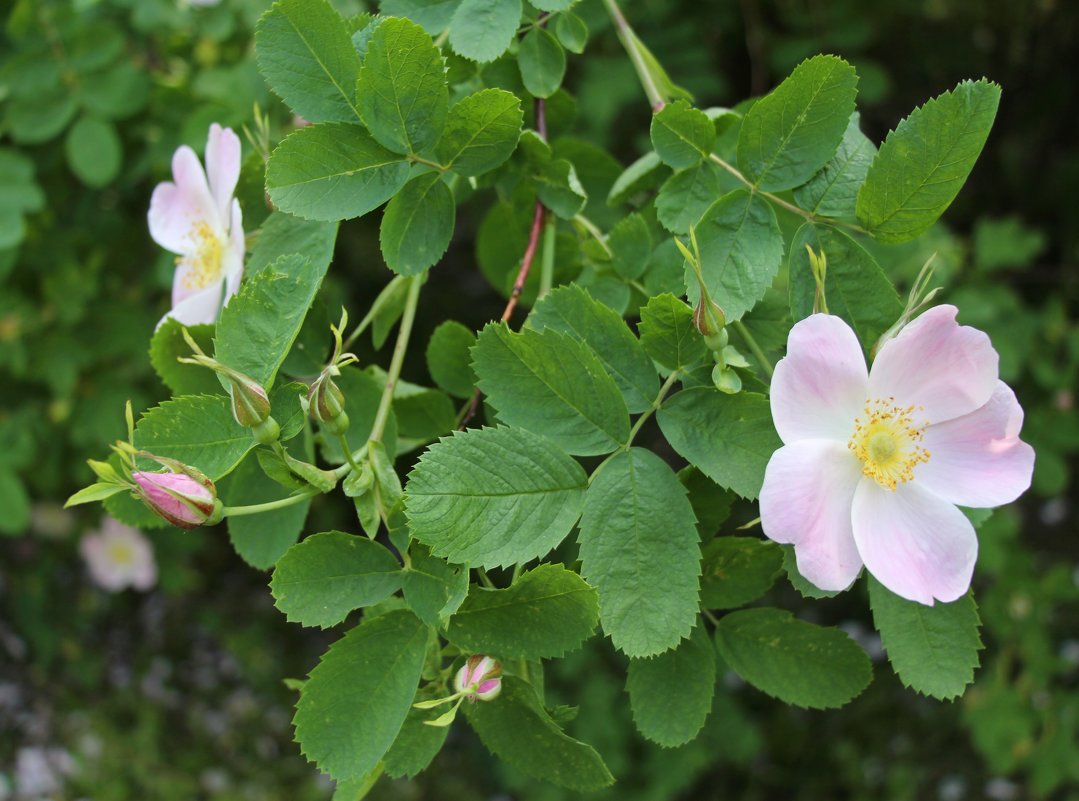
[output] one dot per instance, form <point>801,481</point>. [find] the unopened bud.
<point>326,403</point>
<point>185,499</point>
<point>726,380</point>
<point>479,679</point>
<point>709,318</point>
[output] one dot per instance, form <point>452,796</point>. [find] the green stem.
<point>667,385</point>
<point>421,160</point>
<point>403,333</point>
<point>370,316</point>
<point>442,38</point>
<point>754,348</point>
<point>594,232</point>
<point>239,511</point>
<point>485,579</point>
<point>547,262</point>
<point>348,453</point>
<point>808,215</point>
<point>710,616</point>
<point>633,48</point>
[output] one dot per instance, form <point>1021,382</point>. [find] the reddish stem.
<point>526,260</point>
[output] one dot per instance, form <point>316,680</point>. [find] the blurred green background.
<point>176,693</point>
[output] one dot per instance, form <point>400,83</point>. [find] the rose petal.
<point>199,308</point>
<point>947,369</point>
<point>234,253</point>
<point>222,166</point>
<point>177,208</point>
<point>915,543</point>
<point>820,386</point>
<point>806,501</point>
<point>978,459</point>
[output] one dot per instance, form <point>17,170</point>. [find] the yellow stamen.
<point>120,553</point>
<point>203,264</point>
<point>886,439</point>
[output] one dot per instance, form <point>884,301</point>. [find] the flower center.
<point>203,264</point>
<point>886,439</point>
<point>120,553</point>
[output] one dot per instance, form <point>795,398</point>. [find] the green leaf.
<point>686,195</point>
<point>925,161</point>
<point>482,30</point>
<point>682,135</point>
<point>669,335</point>
<point>855,287</point>
<point>833,190</point>
<point>797,662</point>
<point>333,171</point>
<point>639,548</point>
<point>434,589</point>
<point>570,310</point>
<point>671,694</point>
<point>417,744</point>
<point>261,539</point>
<point>448,359</point>
<point>515,727</point>
<point>730,438</point>
<point>94,151</point>
<point>481,132</point>
<point>631,246</point>
<point>645,173</point>
<point>401,94</point>
<point>356,700</point>
<point>282,234</point>
<point>422,414</point>
<point>19,193</point>
<point>92,494</point>
<point>320,580</point>
<point>197,430</point>
<point>571,31</point>
<point>544,614</point>
<point>555,179</point>
<point>542,62</point>
<point>738,570</point>
<point>933,649</point>
<point>167,345</point>
<point>792,132</point>
<point>741,252</point>
<point>15,501</point>
<point>553,5</point>
<point>433,15</point>
<point>259,325</point>
<point>552,384</point>
<point>306,56</point>
<point>494,496</point>
<point>711,503</point>
<point>417,225</point>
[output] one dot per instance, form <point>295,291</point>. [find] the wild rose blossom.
<point>480,678</point>
<point>118,557</point>
<point>196,217</point>
<point>874,463</point>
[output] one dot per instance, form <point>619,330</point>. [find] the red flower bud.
<point>181,499</point>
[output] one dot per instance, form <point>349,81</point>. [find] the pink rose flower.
<point>118,557</point>
<point>480,678</point>
<point>874,463</point>
<point>196,217</point>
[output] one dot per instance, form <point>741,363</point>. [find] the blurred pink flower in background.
<point>196,217</point>
<point>118,557</point>
<point>874,463</point>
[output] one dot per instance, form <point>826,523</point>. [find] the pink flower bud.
<point>479,679</point>
<point>181,499</point>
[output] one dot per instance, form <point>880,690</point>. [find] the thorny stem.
<point>526,260</point>
<point>398,358</point>
<point>630,43</point>
<point>754,348</point>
